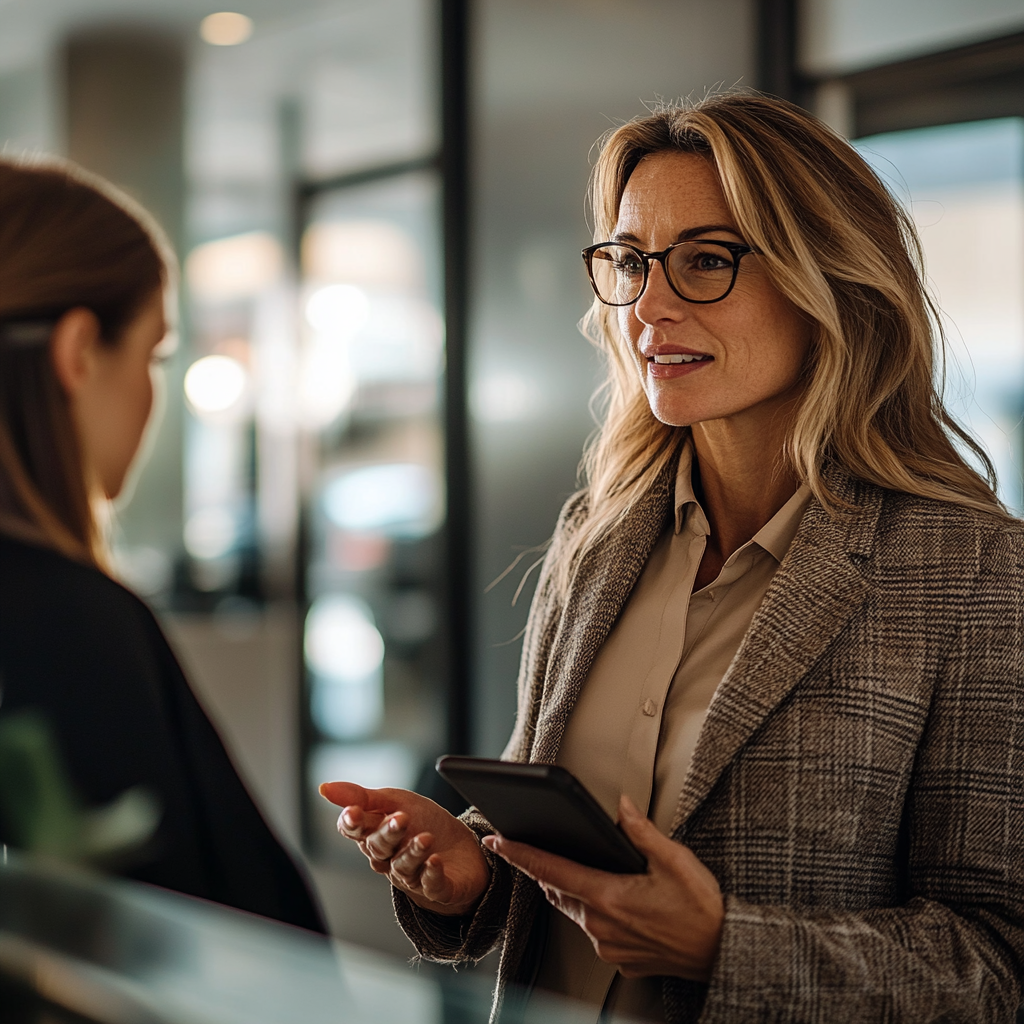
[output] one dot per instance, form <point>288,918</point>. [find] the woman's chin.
<point>113,489</point>
<point>674,414</point>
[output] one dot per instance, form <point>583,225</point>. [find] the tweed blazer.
<point>858,785</point>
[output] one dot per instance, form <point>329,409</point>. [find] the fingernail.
<point>347,818</point>
<point>491,842</point>
<point>393,826</point>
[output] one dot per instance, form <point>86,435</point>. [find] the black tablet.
<point>545,806</point>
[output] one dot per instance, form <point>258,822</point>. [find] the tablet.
<point>546,806</point>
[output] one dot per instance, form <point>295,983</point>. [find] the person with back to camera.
<point>83,275</point>
<point>781,631</point>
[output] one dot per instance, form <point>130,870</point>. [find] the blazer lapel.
<point>816,590</point>
<point>599,589</point>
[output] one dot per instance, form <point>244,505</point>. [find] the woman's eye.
<point>629,267</point>
<point>165,348</point>
<point>707,262</point>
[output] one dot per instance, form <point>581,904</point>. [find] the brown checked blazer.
<point>858,786</point>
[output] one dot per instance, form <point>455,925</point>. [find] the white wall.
<point>839,36</point>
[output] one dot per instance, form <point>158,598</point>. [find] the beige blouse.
<point>636,723</point>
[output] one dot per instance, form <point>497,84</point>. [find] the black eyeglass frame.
<point>738,250</point>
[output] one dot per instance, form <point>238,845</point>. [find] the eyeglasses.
<point>697,270</point>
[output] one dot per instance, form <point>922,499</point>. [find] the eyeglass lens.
<point>701,271</point>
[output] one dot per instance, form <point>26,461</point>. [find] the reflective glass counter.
<point>77,948</point>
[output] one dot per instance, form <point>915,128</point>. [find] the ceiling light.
<point>226,28</point>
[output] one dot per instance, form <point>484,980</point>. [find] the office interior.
<point>379,394</point>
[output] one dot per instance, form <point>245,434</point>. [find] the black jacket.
<point>89,658</point>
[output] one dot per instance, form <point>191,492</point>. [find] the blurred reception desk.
<point>76,948</point>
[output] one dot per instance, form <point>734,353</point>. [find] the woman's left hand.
<point>668,921</point>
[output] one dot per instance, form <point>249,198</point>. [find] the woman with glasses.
<point>779,635</point>
<point>105,755</point>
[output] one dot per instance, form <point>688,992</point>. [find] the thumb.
<point>640,829</point>
<point>345,794</point>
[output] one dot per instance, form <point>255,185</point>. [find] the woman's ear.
<point>74,346</point>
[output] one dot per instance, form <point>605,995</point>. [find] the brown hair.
<point>836,243</point>
<point>67,239</point>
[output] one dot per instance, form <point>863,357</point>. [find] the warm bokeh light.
<point>371,253</point>
<point>234,268</point>
<point>225,28</point>
<point>215,384</point>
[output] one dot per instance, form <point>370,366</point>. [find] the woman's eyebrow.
<point>704,229</point>
<point>701,229</point>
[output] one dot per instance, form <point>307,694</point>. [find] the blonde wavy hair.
<point>834,242</point>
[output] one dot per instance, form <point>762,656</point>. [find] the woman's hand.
<point>668,921</point>
<point>426,852</point>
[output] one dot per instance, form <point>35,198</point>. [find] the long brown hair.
<point>833,241</point>
<point>67,239</point>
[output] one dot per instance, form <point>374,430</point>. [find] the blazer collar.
<point>599,589</point>
<point>816,590</point>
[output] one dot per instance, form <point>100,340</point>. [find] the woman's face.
<point>113,403</point>
<point>751,346</point>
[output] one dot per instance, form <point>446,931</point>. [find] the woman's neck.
<point>742,478</point>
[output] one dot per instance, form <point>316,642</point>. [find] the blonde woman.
<point>780,634</point>
<point>94,704</point>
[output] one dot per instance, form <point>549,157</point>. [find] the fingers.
<point>549,869</point>
<point>381,867</point>
<point>572,908</point>
<point>434,882</point>
<point>407,865</point>
<point>417,870</point>
<point>385,841</point>
<point>356,823</point>
<point>391,852</point>
<point>640,829</point>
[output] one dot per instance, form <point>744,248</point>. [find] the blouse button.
<point>649,708</point>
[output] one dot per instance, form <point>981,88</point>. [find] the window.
<point>963,184</point>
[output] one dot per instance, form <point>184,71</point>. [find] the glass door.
<point>371,380</point>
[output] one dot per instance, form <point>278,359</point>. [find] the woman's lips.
<point>665,365</point>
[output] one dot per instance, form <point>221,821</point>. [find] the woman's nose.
<point>657,301</point>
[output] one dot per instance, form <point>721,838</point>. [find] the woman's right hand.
<point>426,852</point>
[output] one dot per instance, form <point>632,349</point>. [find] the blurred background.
<point>380,396</point>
